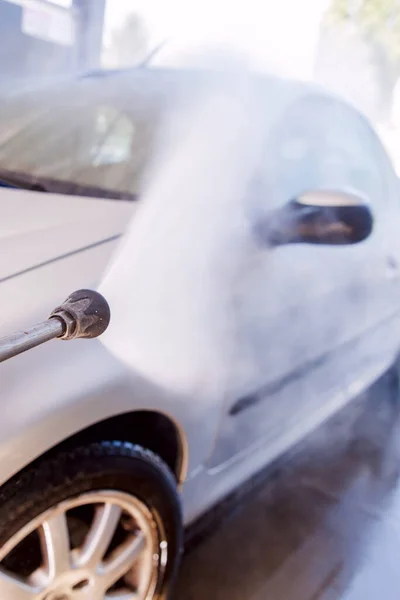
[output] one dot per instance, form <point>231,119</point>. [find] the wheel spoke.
<point>100,535</point>
<point>121,596</point>
<point>119,561</point>
<point>55,545</point>
<point>14,589</point>
<point>122,559</point>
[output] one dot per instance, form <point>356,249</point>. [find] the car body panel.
<point>37,227</point>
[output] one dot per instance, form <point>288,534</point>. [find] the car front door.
<point>314,323</point>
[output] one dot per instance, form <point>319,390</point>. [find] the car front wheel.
<point>99,522</point>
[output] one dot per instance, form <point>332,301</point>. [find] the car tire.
<point>117,495</point>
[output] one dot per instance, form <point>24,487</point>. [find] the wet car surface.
<point>322,524</point>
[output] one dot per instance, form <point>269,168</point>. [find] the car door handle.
<point>392,267</point>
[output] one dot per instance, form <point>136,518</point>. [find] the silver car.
<point>100,469</point>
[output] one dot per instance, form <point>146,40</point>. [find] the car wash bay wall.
<point>40,39</point>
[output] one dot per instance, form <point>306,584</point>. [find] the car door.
<point>312,321</point>
<point>387,289</point>
<point>292,347</point>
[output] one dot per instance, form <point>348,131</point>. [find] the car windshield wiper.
<point>17,182</point>
<point>22,181</point>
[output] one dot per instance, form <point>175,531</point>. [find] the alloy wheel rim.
<point>121,556</point>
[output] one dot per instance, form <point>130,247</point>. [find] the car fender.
<point>61,388</point>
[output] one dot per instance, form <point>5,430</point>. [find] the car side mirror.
<point>320,217</point>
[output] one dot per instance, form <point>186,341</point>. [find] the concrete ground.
<point>323,524</point>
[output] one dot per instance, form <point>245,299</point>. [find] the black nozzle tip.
<point>85,314</point>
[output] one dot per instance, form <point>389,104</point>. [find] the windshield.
<point>79,140</point>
